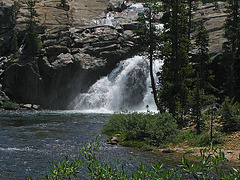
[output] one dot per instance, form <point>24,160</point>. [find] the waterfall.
<point>20,50</point>
<point>117,18</point>
<point>127,87</point>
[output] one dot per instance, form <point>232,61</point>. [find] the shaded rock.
<point>166,151</point>
<point>36,107</point>
<point>113,141</point>
<point>55,50</point>
<point>3,96</point>
<point>130,26</point>
<point>49,42</point>
<point>23,83</point>
<point>62,60</point>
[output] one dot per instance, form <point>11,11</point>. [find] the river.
<point>29,140</point>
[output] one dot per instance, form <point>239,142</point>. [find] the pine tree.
<point>231,26</point>
<point>15,11</point>
<point>14,44</point>
<point>197,104</point>
<point>190,26</point>
<point>231,47</point>
<point>175,75</point>
<point>229,119</point>
<point>236,71</point>
<point>149,40</point>
<point>33,43</point>
<point>203,76</point>
<point>202,58</point>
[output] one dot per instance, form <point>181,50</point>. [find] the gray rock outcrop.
<point>213,15</point>
<point>71,61</point>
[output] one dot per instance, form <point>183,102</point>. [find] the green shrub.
<point>202,139</point>
<point>149,127</point>
<point>9,105</point>
<point>230,116</point>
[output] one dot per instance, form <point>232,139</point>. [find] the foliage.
<point>14,44</point>
<point>230,116</point>
<point>231,25</point>
<point>2,3</point>
<point>202,139</point>
<point>33,43</point>
<point>175,77</point>
<point>209,165</point>
<point>152,128</point>
<point>9,105</point>
<point>197,104</point>
<point>232,48</point>
<point>149,30</point>
<point>202,58</point>
<point>15,10</point>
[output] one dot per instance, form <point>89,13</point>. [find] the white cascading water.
<point>127,87</point>
<point>116,18</point>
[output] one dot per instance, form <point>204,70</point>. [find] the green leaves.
<point>65,170</point>
<point>151,128</point>
<point>33,42</point>
<point>210,165</point>
<point>176,71</point>
<point>230,115</point>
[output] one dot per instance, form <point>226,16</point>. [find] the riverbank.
<point>230,147</point>
<point>159,133</point>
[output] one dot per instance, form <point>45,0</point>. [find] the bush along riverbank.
<point>210,165</point>
<point>165,133</point>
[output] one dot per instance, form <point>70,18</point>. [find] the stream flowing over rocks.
<point>82,42</point>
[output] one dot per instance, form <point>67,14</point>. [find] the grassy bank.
<point>147,130</point>
<point>151,130</point>
<point>154,130</point>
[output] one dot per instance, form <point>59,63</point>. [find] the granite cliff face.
<point>213,16</point>
<point>76,52</point>
<point>79,46</point>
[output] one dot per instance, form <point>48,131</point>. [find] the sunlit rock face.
<point>213,16</point>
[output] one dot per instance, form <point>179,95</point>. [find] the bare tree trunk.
<point>151,61</point>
